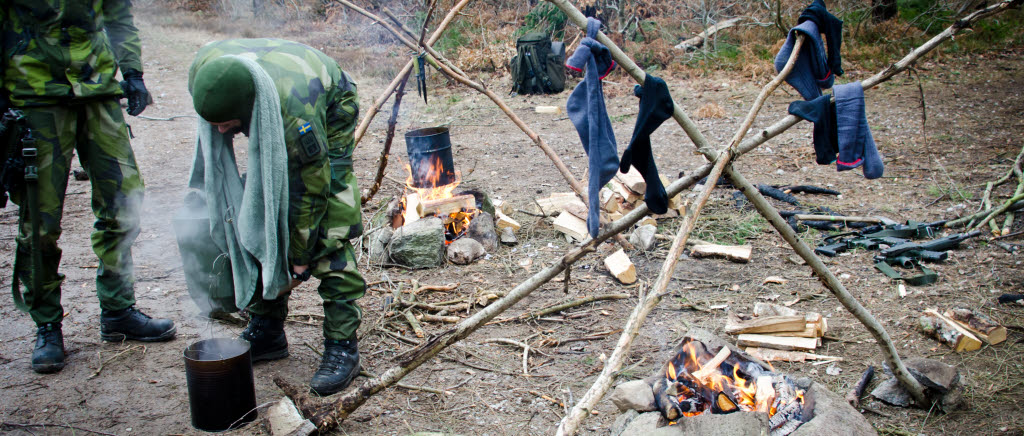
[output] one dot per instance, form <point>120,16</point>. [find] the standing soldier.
<point>299,110</point>
<point>60,58</point>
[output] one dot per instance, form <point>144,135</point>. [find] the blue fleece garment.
<point>588,114</point>
<point>832,27</point>
<point>810,73</point>
<point>856,146</point>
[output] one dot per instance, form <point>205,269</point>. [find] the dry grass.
<point>710,110</point>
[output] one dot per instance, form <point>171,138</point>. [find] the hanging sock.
<point>586,110</point>
<point>822,112</point>
<point>655,107</point>
<point>832,27</point>
<point>810,72</point>
<point>856,145</point>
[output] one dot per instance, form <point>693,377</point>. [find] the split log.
<point>621,267</point>
<point>772,355</point>
<point>947,331</point>
<point>735,253</point>
<point>853,397</point>
<point>765,324</point>
<point>633,181</point>
<point>501,221</point>
<point>412,202</point>
<point>446,206</point>
<point>571,225</point>
<point>553,204</point>
<point>711,366</point>
<point>627,195</point>
<point>778,342</point>
<point>577,209</point>
<point>610,201</point>
<point>979,324</point>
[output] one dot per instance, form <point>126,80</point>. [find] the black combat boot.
<point>339,367</point>
<point>130,323</point>
<point>266,337</point>
<point>48,357</point>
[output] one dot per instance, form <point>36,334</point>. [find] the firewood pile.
<point>961,329</point>
<point>779,333</point>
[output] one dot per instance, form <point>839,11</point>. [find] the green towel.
<point>249,219</point>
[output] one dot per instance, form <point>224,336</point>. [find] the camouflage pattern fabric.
<point>97,131</point>
<point>61,50</point>
<point>319,109</point>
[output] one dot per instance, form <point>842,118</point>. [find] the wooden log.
<point>553,204</point>
<point>610,201</point>
<point>577,209</point>
<point>979,324</point>
<point>633,181</point>
<point>764,396</point>
<point>698,40</point>
<point>711,366</point>
<point>735,253</point>
<point>777,342</point>
<point>947,331</point>
<point>853,397</point>
<point>501,221</point>
<point>772,355</point>
<point>412,203</point>
<point>809,331</point>
<point>621,267</point>
<point>571,225</point>
<point>765,324</point>
<point>627,195</point>
<point>446,206</point>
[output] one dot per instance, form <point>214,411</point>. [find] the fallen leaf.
<point>774,279</point>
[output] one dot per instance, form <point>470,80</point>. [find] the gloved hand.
<point>135,89</point>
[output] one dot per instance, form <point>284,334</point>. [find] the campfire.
<point>697,381</point>
<point>425,197</point>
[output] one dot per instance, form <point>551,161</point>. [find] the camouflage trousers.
<point>340,286</point>
<point>96,130</point>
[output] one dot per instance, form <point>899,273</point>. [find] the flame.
<point>456,223</point>
<point>728,378</point>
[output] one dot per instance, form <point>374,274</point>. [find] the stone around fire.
<point>464,251</point>
<point>634,395</point>
<point>419,244</point>
<point>482,230</point>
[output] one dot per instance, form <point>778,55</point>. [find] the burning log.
<point>765,394</point>
<point>724,404</point>
<point>947,331</point>
<point>778,342</point>
<point>979,324</point>
<point>446,206</point>
<point>412,203</point>
<point>712,365</point>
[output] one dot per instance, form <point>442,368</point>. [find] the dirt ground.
<point>972,134</point>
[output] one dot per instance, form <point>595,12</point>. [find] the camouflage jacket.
<point>59,50</point>
<point>319,108</point>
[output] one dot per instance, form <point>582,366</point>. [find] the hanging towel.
<point>822,112</point>
<point>810,73</point>
<point>588,114</point>
<point>856,146</point>
<point>655,107</point>
<point>249,220</point>
<point>832,27</point>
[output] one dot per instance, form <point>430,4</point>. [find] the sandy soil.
<point>972,135</point>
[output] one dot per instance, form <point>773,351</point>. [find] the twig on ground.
<point>119,354</point>
<point>44,426</point>
<point>562,306</point>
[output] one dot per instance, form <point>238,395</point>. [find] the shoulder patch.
<point>305,128</point>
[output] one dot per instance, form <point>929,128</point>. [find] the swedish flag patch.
<point>305,128</point>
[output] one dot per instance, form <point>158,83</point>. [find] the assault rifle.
<point>907,253</point>
<point>871,238</point>
<point>15,137</point>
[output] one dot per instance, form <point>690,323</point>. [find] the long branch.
<point>385,152</point>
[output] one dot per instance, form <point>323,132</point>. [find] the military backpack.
<point>538,66</point>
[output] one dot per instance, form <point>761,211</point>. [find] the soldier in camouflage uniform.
<point>60,58</point>
<point>319,111</point>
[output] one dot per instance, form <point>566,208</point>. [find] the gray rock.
<point>733,424</point>
<point>833,416</point>
<point>482,230</point>
<point>419,244</point>
<point>622,421</point>
<point>634,395</point>
<point>941,381</point>
<point>508,237</point>
<point>891,392</point>
<point>377,242</point>
<point>644,237</point>
<point>644,424</point>
<point>464,251</point>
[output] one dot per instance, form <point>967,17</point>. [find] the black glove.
<point>135,90</point>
